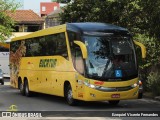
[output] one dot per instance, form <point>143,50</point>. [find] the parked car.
<point>1,77</point>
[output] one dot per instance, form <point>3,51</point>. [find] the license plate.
<point>115,96</point>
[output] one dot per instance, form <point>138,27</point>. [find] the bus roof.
<point>79,27</point>
<point>96,27</point>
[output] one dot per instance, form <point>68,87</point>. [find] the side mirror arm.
<point>143,48</point>
<point>83,48</point>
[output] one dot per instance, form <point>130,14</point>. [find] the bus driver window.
<point>79,64</point>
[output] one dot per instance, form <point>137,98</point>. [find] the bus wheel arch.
<point>68,93</point>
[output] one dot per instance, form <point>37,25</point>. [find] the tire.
<point>26,89</point>
<point>140,95</point>
<point>2,83</point>
<point>114,102</point>
<point>69,96</point>
<point>21,88</point>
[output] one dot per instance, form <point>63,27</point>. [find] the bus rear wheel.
<point>21,88</point>
<point>114,102</point>
<point>26,89</point>
<point>69,96</point>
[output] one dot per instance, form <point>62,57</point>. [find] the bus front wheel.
<point>69,96</point>
<point>114,102</point>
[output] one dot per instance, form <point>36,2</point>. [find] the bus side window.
<point>50,45</point>
<point>73,36</point>
<point>79,63</point>
<point>61,46</point>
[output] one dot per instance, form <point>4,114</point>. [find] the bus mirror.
<point>83,48</point>
<point>143,48</point>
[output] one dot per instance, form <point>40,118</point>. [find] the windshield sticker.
<point>86,43</point>
<point>118,73</point>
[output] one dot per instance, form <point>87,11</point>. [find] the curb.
<point>157,98</point>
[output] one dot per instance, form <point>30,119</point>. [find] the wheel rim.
<point>21,87</point>
<point>26,89</point>
<point>69,96</point>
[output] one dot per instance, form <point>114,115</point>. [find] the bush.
<point>153,83</point>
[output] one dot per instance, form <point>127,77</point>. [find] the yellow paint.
<point>83,48</point>
<point>12,108</point>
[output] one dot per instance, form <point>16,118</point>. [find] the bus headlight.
<point>90,85</point>
<point>139,83</point>
<point>134,85</point>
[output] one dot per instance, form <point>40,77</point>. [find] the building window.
<point>55,8</point>
<point>25,29</point>
<point>43,8</point>
<point>16,29</point>
<point>20,28</point>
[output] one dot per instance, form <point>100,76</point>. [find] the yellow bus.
<point>78,61</point>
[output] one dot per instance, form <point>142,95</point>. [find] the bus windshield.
<point>110,58</point>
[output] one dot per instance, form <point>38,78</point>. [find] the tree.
<point>139,16</point>
<point>6,23</point>
<point>150,16</point>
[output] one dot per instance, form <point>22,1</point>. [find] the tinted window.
<point>76,52</point>
<point>44,46</point>
<point>2,49</point>
<point>61,48</point>
<point>15,46</point>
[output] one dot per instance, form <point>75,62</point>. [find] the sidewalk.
<point>157,98</point>
<point>151,96</point>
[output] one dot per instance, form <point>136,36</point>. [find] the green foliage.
<point>153,83</point>
<point>151,61</point>
<point>6,23</point>
<point>150,17</point>
<point>153,50</point>
<point>139,16</point>
<point>119,12</point>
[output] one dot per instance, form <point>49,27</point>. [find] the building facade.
<point>26,21</point>
<point>48,7</point>
<point>53,18</point>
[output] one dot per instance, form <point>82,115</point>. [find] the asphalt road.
<point>41,102</point>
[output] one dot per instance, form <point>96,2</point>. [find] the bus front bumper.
<point>96,95</point>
